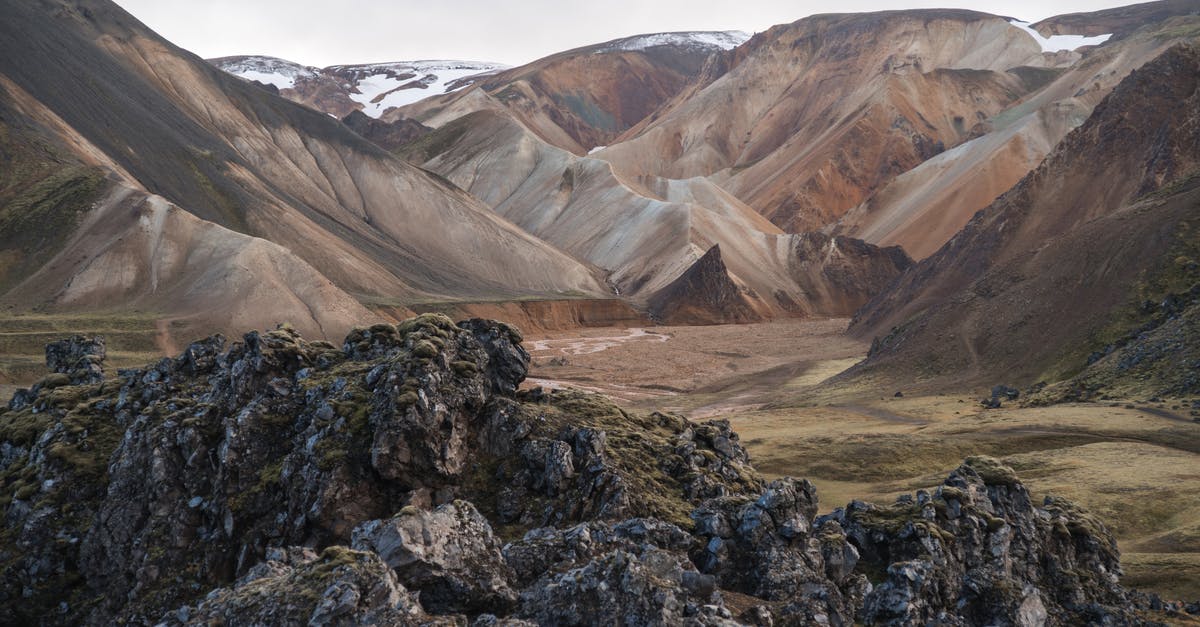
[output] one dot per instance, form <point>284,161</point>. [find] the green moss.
<point>331,457</point>
<point>424,349</point>
<point>22,428</point>
<point>357,412</point>
<point>430,324</point>
<point>277,421</point>
<point>949,492</point>
<point>640,447</point>
<point>464,368</point>
<point>270,475</point>
<point>407,398</point>
<point>55,380</point>
<point>992,470</point>
<point>1077,522</point>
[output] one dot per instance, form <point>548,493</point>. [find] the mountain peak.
<point>705,40</point>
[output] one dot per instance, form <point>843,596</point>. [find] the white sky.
<point>328,32</point>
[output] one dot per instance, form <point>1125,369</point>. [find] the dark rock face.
<point>706,294</point>
<point>78,357</point>
<point>283,482</point>
<point>767,547</point>
<point>349,588</point>
<point>387,135</point>
<point>76,360</point>
<point>450,554</point>
<point>977,551</point>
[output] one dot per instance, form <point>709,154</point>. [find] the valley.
<point>885,318</point>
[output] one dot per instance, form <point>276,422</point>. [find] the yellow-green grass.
<point>130,340</point>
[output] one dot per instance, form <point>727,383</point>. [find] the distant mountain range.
<point>373,88</point>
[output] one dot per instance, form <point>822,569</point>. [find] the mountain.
<point>1119,20</point>
<point>893,127</point>
<point>585,98</point>
<point>647,232</point>
<point>1091,254</point>
<point>262,186</point>
<point>806,120</point>
<point>921,209</point>
<point>373,88</point>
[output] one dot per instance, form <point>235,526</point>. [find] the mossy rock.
<point>425,349</point>
<point>993,471</point>
<point>464,368</point>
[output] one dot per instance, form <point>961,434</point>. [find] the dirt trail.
<point>162,337</point>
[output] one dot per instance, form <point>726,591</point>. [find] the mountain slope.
<point>922,208</point>
<point>809,118</point>
<point>584,98</point>
<point>1039,279</point>
<point>647,232</point>
<point>95,82</point>
<point>1119,20</point>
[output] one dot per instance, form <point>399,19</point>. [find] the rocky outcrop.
<point>767,548</point>
<point>75,361</point>
<point>387,135</point>
<point>282,481</point>
<point>296,586</point>
<point>976,550</point>
<point>706,294</point>
<point>130,496</point>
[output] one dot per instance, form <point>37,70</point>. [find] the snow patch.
<point>596,150</point>
<point>702,40</point>
<point>1058,43</point>
<point>268,70</point>
<point>384,86</point>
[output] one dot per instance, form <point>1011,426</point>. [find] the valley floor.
<point>1135,464</point>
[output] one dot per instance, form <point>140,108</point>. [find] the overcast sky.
<point>328,32</point>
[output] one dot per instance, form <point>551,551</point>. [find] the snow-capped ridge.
<point>382,86</point>
<point>710,40</point>
<point>265,69</point>
<point>424,65</point>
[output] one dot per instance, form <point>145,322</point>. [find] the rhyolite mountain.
<point>585,98</point>
<point>138,176</point>
<point>892,127</point>
<point>402,479</point>
<point>1085,270</point>
<point>922,208</point>
<point>648,232</point>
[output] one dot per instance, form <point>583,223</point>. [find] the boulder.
<point>449,555</point>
